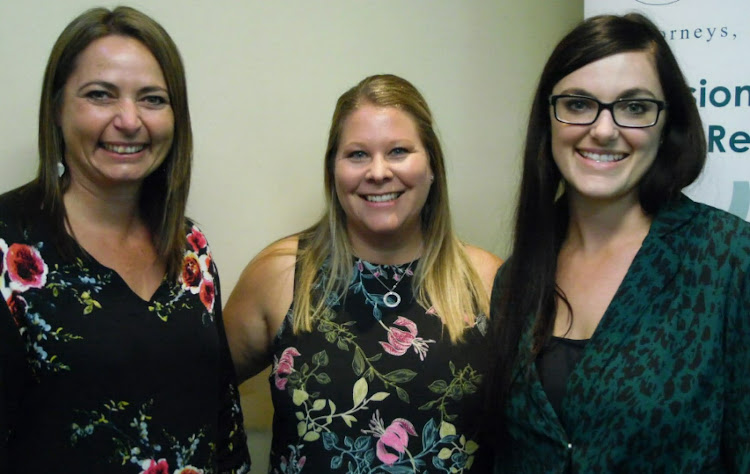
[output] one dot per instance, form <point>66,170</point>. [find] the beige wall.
<point>263,78</point>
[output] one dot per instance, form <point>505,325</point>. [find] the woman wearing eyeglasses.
<point>621,318</point>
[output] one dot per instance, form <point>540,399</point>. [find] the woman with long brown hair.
<point>622,342</point>
<point>114,357</point>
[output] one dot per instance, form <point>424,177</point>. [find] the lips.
<point>603,157</point>
<point>123,149</point>
<point>382,197</point>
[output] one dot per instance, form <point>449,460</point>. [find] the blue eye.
<point>357,155</point>
<point>399,151</point>
<point>578,104</point>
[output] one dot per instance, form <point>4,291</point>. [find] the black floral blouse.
<point>95,379</point>
<point>375,389</point>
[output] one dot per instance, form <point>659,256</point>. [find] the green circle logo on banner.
<point>657,2</point>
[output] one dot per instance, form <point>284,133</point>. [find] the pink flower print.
<point>189,470</point>
<point>17,306</point>
<point>191,274</point>
<point>3,251</point>
<point>284,366</point>
<point>207,293</point>
<point>155,467</point>
<point>396,436</point>
<point>400,341</point>
<point>196,239</point>
<point>25,267</point>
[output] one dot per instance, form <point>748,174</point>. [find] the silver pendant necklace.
<point>392,299</point>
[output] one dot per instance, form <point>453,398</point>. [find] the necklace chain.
<point>392,299</point>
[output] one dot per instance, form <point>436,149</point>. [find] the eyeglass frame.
<point>660,105</point>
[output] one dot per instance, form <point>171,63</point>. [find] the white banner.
<point>711,40</point>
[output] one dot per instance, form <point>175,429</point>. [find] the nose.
<point>380,169</point>
<point>128,118</point>
<point>605,129</point>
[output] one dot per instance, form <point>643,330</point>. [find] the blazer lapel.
<point>655,265</point>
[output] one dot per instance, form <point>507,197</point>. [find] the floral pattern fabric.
<point>109,382</point>
<point>373,389</point>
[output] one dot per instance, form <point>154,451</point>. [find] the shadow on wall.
<point>258,412</point>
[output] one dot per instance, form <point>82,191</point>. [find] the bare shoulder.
<point>485,263</point>
<point>269,277</point>
<point>258,304</point>
<point>279,257</point>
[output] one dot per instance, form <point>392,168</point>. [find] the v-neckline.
<point>124,283</point>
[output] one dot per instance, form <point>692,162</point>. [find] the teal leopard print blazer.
<point>664,383</point>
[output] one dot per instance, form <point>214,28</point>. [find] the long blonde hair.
<point>444,277</point>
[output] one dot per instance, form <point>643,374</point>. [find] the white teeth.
<point>381,197</point>
<point>600,158</point>
<point>124,149</point>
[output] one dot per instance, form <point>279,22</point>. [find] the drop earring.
<point>60,169</point>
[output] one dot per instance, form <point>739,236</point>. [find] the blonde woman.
<point>373,318</point>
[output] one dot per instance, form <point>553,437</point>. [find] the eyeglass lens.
<point>627,113</point>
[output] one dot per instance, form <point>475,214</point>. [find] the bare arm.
<point>485,264</point>
<point>257,306</point>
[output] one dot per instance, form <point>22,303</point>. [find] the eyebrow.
<point>635,92</point>
<point>104,84</point>
<point>112,87</point>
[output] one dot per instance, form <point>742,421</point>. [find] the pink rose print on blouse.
<point>196,275</point>
<point>400,341</point>
<point>17,306</point>
<point>191,275</point>
<point>300,464</point>
<point>207,293</point>
<point>155,467</point>
<point>396,437</point>
<point>196,239</point>
<point>25,267</point>
<point>189,470</point>
<point>284,366</point>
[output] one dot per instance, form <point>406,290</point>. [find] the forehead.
<point>609,77</point>
<point>368,120</point>
<point>116,53</point>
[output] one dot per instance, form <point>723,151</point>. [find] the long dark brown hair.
<point>526,292</point>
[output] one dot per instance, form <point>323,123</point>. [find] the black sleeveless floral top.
<point>376,389</point>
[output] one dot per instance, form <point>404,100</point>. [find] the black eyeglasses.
<point>629,113</point>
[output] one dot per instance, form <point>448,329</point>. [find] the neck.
<point>387,250</point>
<point>595,225</point>
<point>115,210</point>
